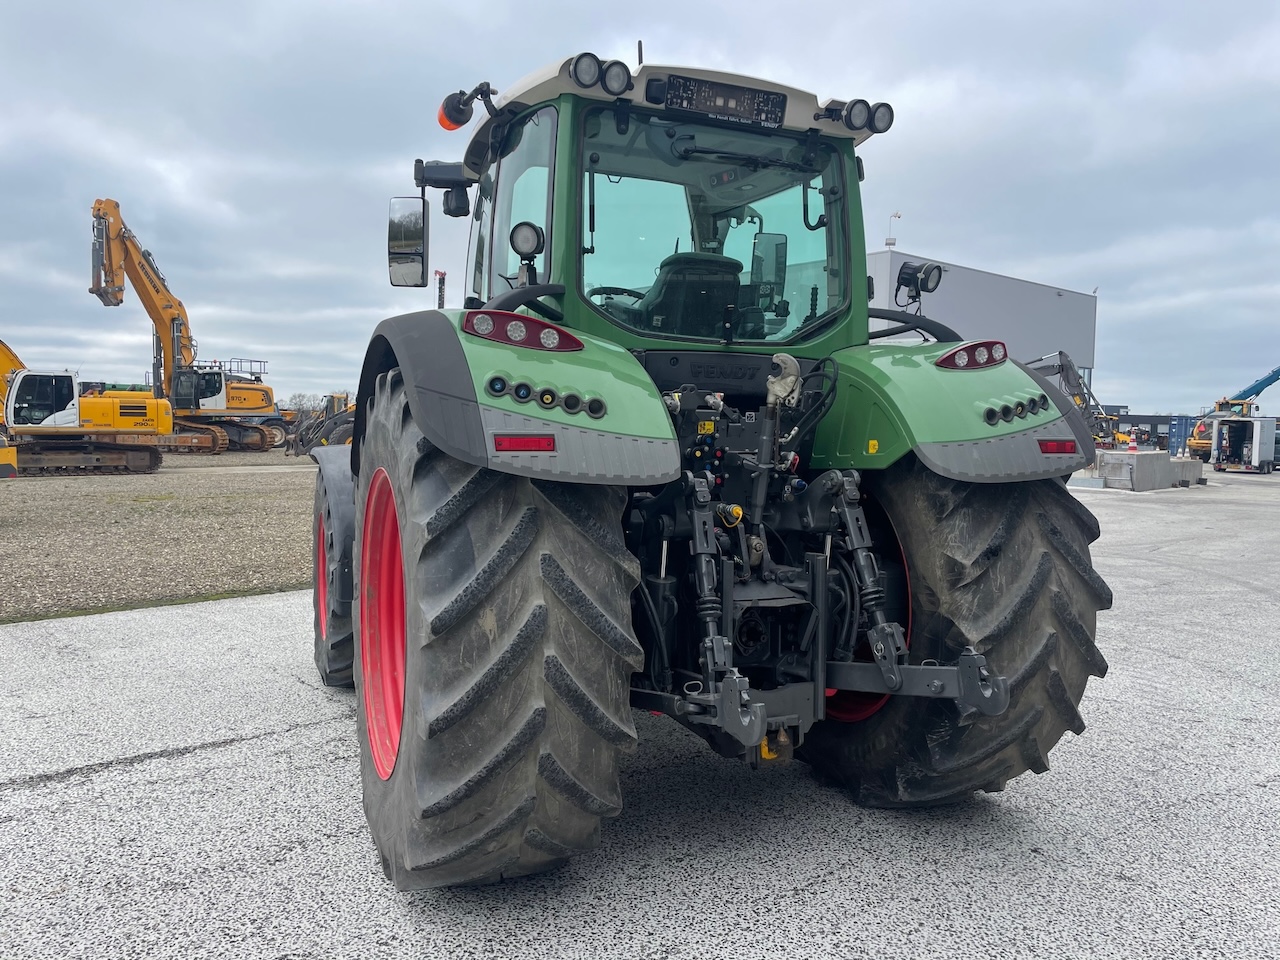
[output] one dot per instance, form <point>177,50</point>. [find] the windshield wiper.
<point>684,148</point>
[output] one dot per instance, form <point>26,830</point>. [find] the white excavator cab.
<point>47,399</point>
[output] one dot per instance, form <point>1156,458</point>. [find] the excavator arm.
<point>1060,365</point>
<point>118,255</point>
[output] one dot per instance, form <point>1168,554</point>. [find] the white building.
<point>1033,319</point>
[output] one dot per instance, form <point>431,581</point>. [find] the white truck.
<point>1244,445</point>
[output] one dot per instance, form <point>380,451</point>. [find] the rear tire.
<point>342,435</point>
<point>330,587</point>
<point>515,651</point>
<point>1004,568</point>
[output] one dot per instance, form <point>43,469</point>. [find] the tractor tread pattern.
<point>517,705</point>
<point>334,633</point>
<point>476,843</point>
<point>589,612</point>
<point>550,770</point>
<point>501,670</point>
<point>577,699</point>
<point>506,755</point>
<point>491,574</point>
<point>1003,568</point>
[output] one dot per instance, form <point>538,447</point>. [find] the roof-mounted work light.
<point>918,278</point>
<point>615,80</point>
<point>881,118</point>
<point>586,69</point>
<point>856,114</point>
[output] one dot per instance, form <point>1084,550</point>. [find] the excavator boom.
<point>223,404</point>
<point>118,255</point>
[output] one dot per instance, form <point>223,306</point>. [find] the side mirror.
<point>407,242</point>
<point>769,266</point>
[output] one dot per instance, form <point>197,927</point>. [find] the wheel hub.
<point>382,624</point>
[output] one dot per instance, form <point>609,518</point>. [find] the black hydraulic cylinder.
<point>816,564</point>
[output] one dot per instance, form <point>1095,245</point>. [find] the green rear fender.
<point>894,400</point>
<point>450,375</point>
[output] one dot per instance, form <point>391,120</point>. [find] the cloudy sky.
<point>1132,147</point>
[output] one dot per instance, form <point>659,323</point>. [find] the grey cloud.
<point>253,145</point>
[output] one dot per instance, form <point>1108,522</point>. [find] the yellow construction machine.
<point>1242,403</point>
<point>49,427</point>
<point>1101,424</point>
<point>217,405</point>
<point>332,425</point>
<point>9,365</point>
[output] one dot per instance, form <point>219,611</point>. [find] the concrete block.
<point>1146,470</point>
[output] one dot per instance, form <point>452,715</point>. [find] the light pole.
<point>889,241</point>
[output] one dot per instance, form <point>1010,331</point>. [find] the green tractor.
<point>659,460</point>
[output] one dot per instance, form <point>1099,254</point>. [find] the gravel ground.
<point>200,527</point>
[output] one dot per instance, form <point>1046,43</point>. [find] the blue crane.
<point>1252,390</point>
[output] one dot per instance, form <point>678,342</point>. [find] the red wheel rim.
<point>382,633</point>
<point>852,706</point>
<point>322,579</point>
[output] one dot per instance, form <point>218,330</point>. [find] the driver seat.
<point>691,293</point>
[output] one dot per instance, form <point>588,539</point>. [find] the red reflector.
<point>523,443</point>
<point>1057,446</point>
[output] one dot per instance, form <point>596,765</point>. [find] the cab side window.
<point>523,193</point>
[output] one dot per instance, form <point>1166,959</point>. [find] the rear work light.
<point>1057,446</point>
<point>974,356</point>
<point>520,331</point>
<point>523,443</point>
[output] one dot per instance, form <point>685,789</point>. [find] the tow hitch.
<point>968,682</point>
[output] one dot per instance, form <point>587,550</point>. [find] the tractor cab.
<point>675,204</point>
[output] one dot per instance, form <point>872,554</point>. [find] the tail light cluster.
<point>974,356</point>
<point>519,330</point>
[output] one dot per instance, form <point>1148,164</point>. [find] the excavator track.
<point>194,436</point>
<point>65,457</point>
<point>248,436</point>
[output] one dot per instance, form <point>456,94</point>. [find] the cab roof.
<point>799,111</point>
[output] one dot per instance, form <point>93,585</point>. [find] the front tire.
<point>494,654</point>
<point>1004,568</point>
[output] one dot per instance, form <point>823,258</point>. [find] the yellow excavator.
<point>9,365</point>
<point>217,406</point>
<point>48,427</point>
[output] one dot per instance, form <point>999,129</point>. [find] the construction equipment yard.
<point>178,782</point>
<point>694,578</point>
<point>199,528</point>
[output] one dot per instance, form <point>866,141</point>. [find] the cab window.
<point>523,192</point>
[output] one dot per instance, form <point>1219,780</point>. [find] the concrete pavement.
<point>177,783</point>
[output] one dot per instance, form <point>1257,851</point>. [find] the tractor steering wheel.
<point>615,291</point>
